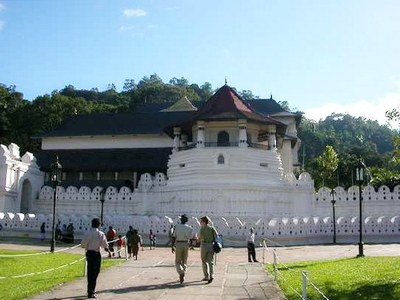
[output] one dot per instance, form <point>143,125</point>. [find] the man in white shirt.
<point>92,242</point>
<point>180,245</point>
<point>251,249</point>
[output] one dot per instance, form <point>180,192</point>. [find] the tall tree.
<point>10,102</point>
<point>328,162</point>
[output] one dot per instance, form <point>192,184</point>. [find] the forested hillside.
<point>352,139</point>
<point>22,121</point>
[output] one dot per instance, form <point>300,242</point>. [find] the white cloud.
<point>135,12</point>
<point>374,110</point>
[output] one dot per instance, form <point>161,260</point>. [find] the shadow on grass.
<point>386,291</point>
<point>30,241</point>
<point>307,264</point>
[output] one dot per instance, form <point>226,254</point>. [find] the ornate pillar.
<point>200,135</point>
<point>272,141</point>
<point>135,180</point>
<point>243,134</point>
<point>184,138</point>
<point>177,137</point>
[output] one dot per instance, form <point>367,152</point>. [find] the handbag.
<point>217,247</point>
<point>217,243</point>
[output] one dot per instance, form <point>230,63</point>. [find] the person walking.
<point>111,235</point>
<point>207,236</point>
<point>180,246</point>
<point>58,231</point>
<point>43,231</point>
<point>129,236</point>
<point>136,241</point>
<point>152,240</point>
<point>92,241</point>
<point>120,244</point>
<point>251,249</point>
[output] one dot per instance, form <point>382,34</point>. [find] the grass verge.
<point>352,278</point>
<point>22,287</point>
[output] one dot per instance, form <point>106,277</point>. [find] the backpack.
<point>135,239</point>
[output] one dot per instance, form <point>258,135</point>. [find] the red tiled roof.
<point>227,104</point>
<point>225,100</point>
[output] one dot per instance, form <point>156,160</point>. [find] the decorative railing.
<point>187,147</point>
<point>258,146</point>
<point>219,144</point>
<point>226,144</point>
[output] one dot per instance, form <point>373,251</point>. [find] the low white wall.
<point>287,231</point>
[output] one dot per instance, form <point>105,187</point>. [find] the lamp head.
<point>360,172</point>
<point>102,196</point>
<point>56,171</point>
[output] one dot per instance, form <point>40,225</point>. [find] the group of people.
<point>181,235</point>
<point>133,241</point>
<point>65,234</point>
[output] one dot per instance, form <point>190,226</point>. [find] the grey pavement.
<point>153,275</point>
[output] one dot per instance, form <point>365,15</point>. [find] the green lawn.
<point>352,278</point>
<point>20,288</point>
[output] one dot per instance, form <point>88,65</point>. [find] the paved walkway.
<point>153,276</point>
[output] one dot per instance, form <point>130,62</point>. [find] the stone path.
<point>153,276</point>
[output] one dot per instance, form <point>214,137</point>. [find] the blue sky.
<point>320,56</point>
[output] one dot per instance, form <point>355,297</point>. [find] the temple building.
<point>230,159</point>
<point>242,142</point>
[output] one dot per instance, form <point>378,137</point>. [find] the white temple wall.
<point>376,204</point>
<point>288,231</point>
<point>286,156</point>
<point>148,200</point>
<point>242,166</point>
<point>290,211</point>
<point>20,179</point>
<point>107,142</point>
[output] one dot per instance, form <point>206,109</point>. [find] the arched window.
<point>223,139</point>
<point>221,159</point>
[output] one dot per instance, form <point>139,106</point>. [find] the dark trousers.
<point>111,246</point>
<point>251,251</point>
<point>93,259</point>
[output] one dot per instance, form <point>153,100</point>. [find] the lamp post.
<point>56,172</point>
<point>102,199</point>
<point>360,179</point>
<point>333,201</point>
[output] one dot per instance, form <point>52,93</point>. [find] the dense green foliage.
<point>31,285</point>
<point>343,279</point>
<point>22,120</point>
<point>352,139</point>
